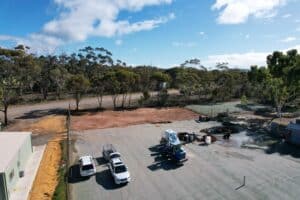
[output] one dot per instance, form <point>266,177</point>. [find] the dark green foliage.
<point>78,85</point>
<point>93,71</point>
<point>279,84</point>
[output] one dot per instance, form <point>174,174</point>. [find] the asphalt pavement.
<point>211,172</point>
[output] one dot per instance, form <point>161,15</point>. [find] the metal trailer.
<point>109,152</point>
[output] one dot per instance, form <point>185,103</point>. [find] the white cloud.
<point>202,33</point>
<point>119,42</point>
<point>39,43</point>
<point>242,60</point>
<point>288,39</point>
<point>81,19</point>
<point>184,44</point>
<point>247,36</point>
<point>286,16</point>
<point>238,11</point>
<point>238,59</point>
<point>298,29</point>
<point>8,37</point>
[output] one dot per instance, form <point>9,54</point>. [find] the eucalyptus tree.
<point>78,85</point>
<point>112,85</point>
<point>96,62</point>
<point>98,83</point>
<point>29,69</point>
<point>127,82</point>
<point>47,64</point>
<point>9,79</point>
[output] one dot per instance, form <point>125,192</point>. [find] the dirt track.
<point>53,107</point>
<point>109,119</point>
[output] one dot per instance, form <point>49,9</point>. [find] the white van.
<point>87,166</point>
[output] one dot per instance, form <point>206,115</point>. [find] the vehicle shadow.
<point>155,148</point>
<point>74,175</point>
<point>284,148</point>
<point>160,161</point>
<point>100,161</point>
<point>105,179</point>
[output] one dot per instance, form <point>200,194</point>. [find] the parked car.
<point>87,166</point>
<point>109,152</point>
<point>119,171</point>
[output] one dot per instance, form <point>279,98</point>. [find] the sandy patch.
<point>49,125</point>
<point>46,179</point>
<point>109,119</point>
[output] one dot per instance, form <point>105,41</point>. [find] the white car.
<point>119,171</point>
<point>87,166</point>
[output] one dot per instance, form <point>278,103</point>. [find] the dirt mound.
<point>109,119</point>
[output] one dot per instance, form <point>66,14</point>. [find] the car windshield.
<point>114,156</point>
<point>87,167</point>
<point>120,169</point>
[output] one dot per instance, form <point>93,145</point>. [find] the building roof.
<point>10,143</point>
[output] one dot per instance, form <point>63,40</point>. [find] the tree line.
<point>94,71</point>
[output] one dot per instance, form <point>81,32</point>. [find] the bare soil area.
<point>109,119</point>
<point>46,179</point>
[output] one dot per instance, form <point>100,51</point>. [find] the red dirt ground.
<point>109,119</point>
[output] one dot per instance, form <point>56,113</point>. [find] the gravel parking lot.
<point>212,172</point>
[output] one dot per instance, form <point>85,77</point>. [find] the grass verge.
<point>60,192</point>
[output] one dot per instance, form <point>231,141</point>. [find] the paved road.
<point>41,109</point>
<point>212,172</point>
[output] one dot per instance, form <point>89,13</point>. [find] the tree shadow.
<point>74,175</point>
<point>126,108</point>
<point>34,114</point>
<point>105,179</point>
<point>85,111</point>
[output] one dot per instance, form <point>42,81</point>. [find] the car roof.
<point>86,160</point>
<point>117,161</point>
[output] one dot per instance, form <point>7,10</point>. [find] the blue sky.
<point>163,33</point>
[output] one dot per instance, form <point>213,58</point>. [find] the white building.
<point>15,150</point>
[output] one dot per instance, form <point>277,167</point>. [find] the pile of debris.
<point>188,137</point>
